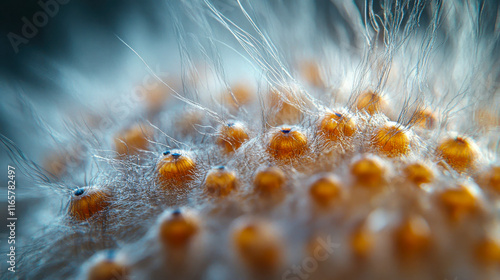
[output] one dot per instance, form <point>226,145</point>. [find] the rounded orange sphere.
<point>391,140</point>
<point>178,228</point>
<point>107,269</point>
<point>336,126</point>
<point>176,166</point>
<point>258,245</point>
<point>459,152</point>
<point>231,136</point>
<point>269,180</point>
<point>412,238</point>
<point>88,201</point>
<point>371,102</point>
<point>220,182</point>
<point>458,202</point>
<point>418,173</point>
<point>287,143</point>
<point>132,140</point>
<point>368,171</point>
<point>325,189</point>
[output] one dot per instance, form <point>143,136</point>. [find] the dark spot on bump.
<point>176,155</point>
<point>176,212</point>
<point>221,167</point>
<point>286,130</point>
<point>79,191</point>
<point>166,153</point>
<point>230,124</point>
<point>338,115</point>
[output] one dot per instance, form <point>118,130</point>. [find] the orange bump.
<point>286,107</point>
<point>231,136</point>
<point>392,140</point>
<point>176,165</point>
<point>132,140</point>
<point>336,126</point>
<point>220,181</point>
<point>371,102</point>
<point>491,178</point>
<point>56,163</point>
<point>418,173</point>
<point>325,189</point>
<point>242,94</point>
<point>459,152</point>
<point>425,118</point>
<point>87,201</point>
<point>368,171</point>
<point>177,229</point>
<point>258,245</point>
<point>487,252</point>
<point>107,269</point>
<point>157,95</point>
<point>412,238</point>
<point>287,143</point>
<point>311,73</point>
<point>458,202</point>
<point>269,180</point>
<point>361,241</point>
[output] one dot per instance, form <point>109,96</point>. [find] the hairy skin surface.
<point>328,140</point>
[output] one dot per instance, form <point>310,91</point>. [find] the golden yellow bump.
<point>258,245</point>
<point>336,126</point>
<point>325,189</point>
<point>287,143</point>
<point>132,140</point>
<point>491,178</point>
<point>243,94</point>
<point>107,269</point>
<point>361,241</point>
<point>176,166</point>
<point>458,202</point>
<point>178,229</point>
<point>412,238</point>
<point>220,181</point>
<point>371,102</point>
<point>392,140</point>
<point>368,171</point>
<point>311,73</point>
<point>459,152</point>
<point>231,136</point>
<point>56,163</point>
<point>88,201</point>
<point>285,107</point>
<point>487,251</point>
<point>269,180</point>
<point>157,95</point>
<point>425,118</point>
<point>418,173</point>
